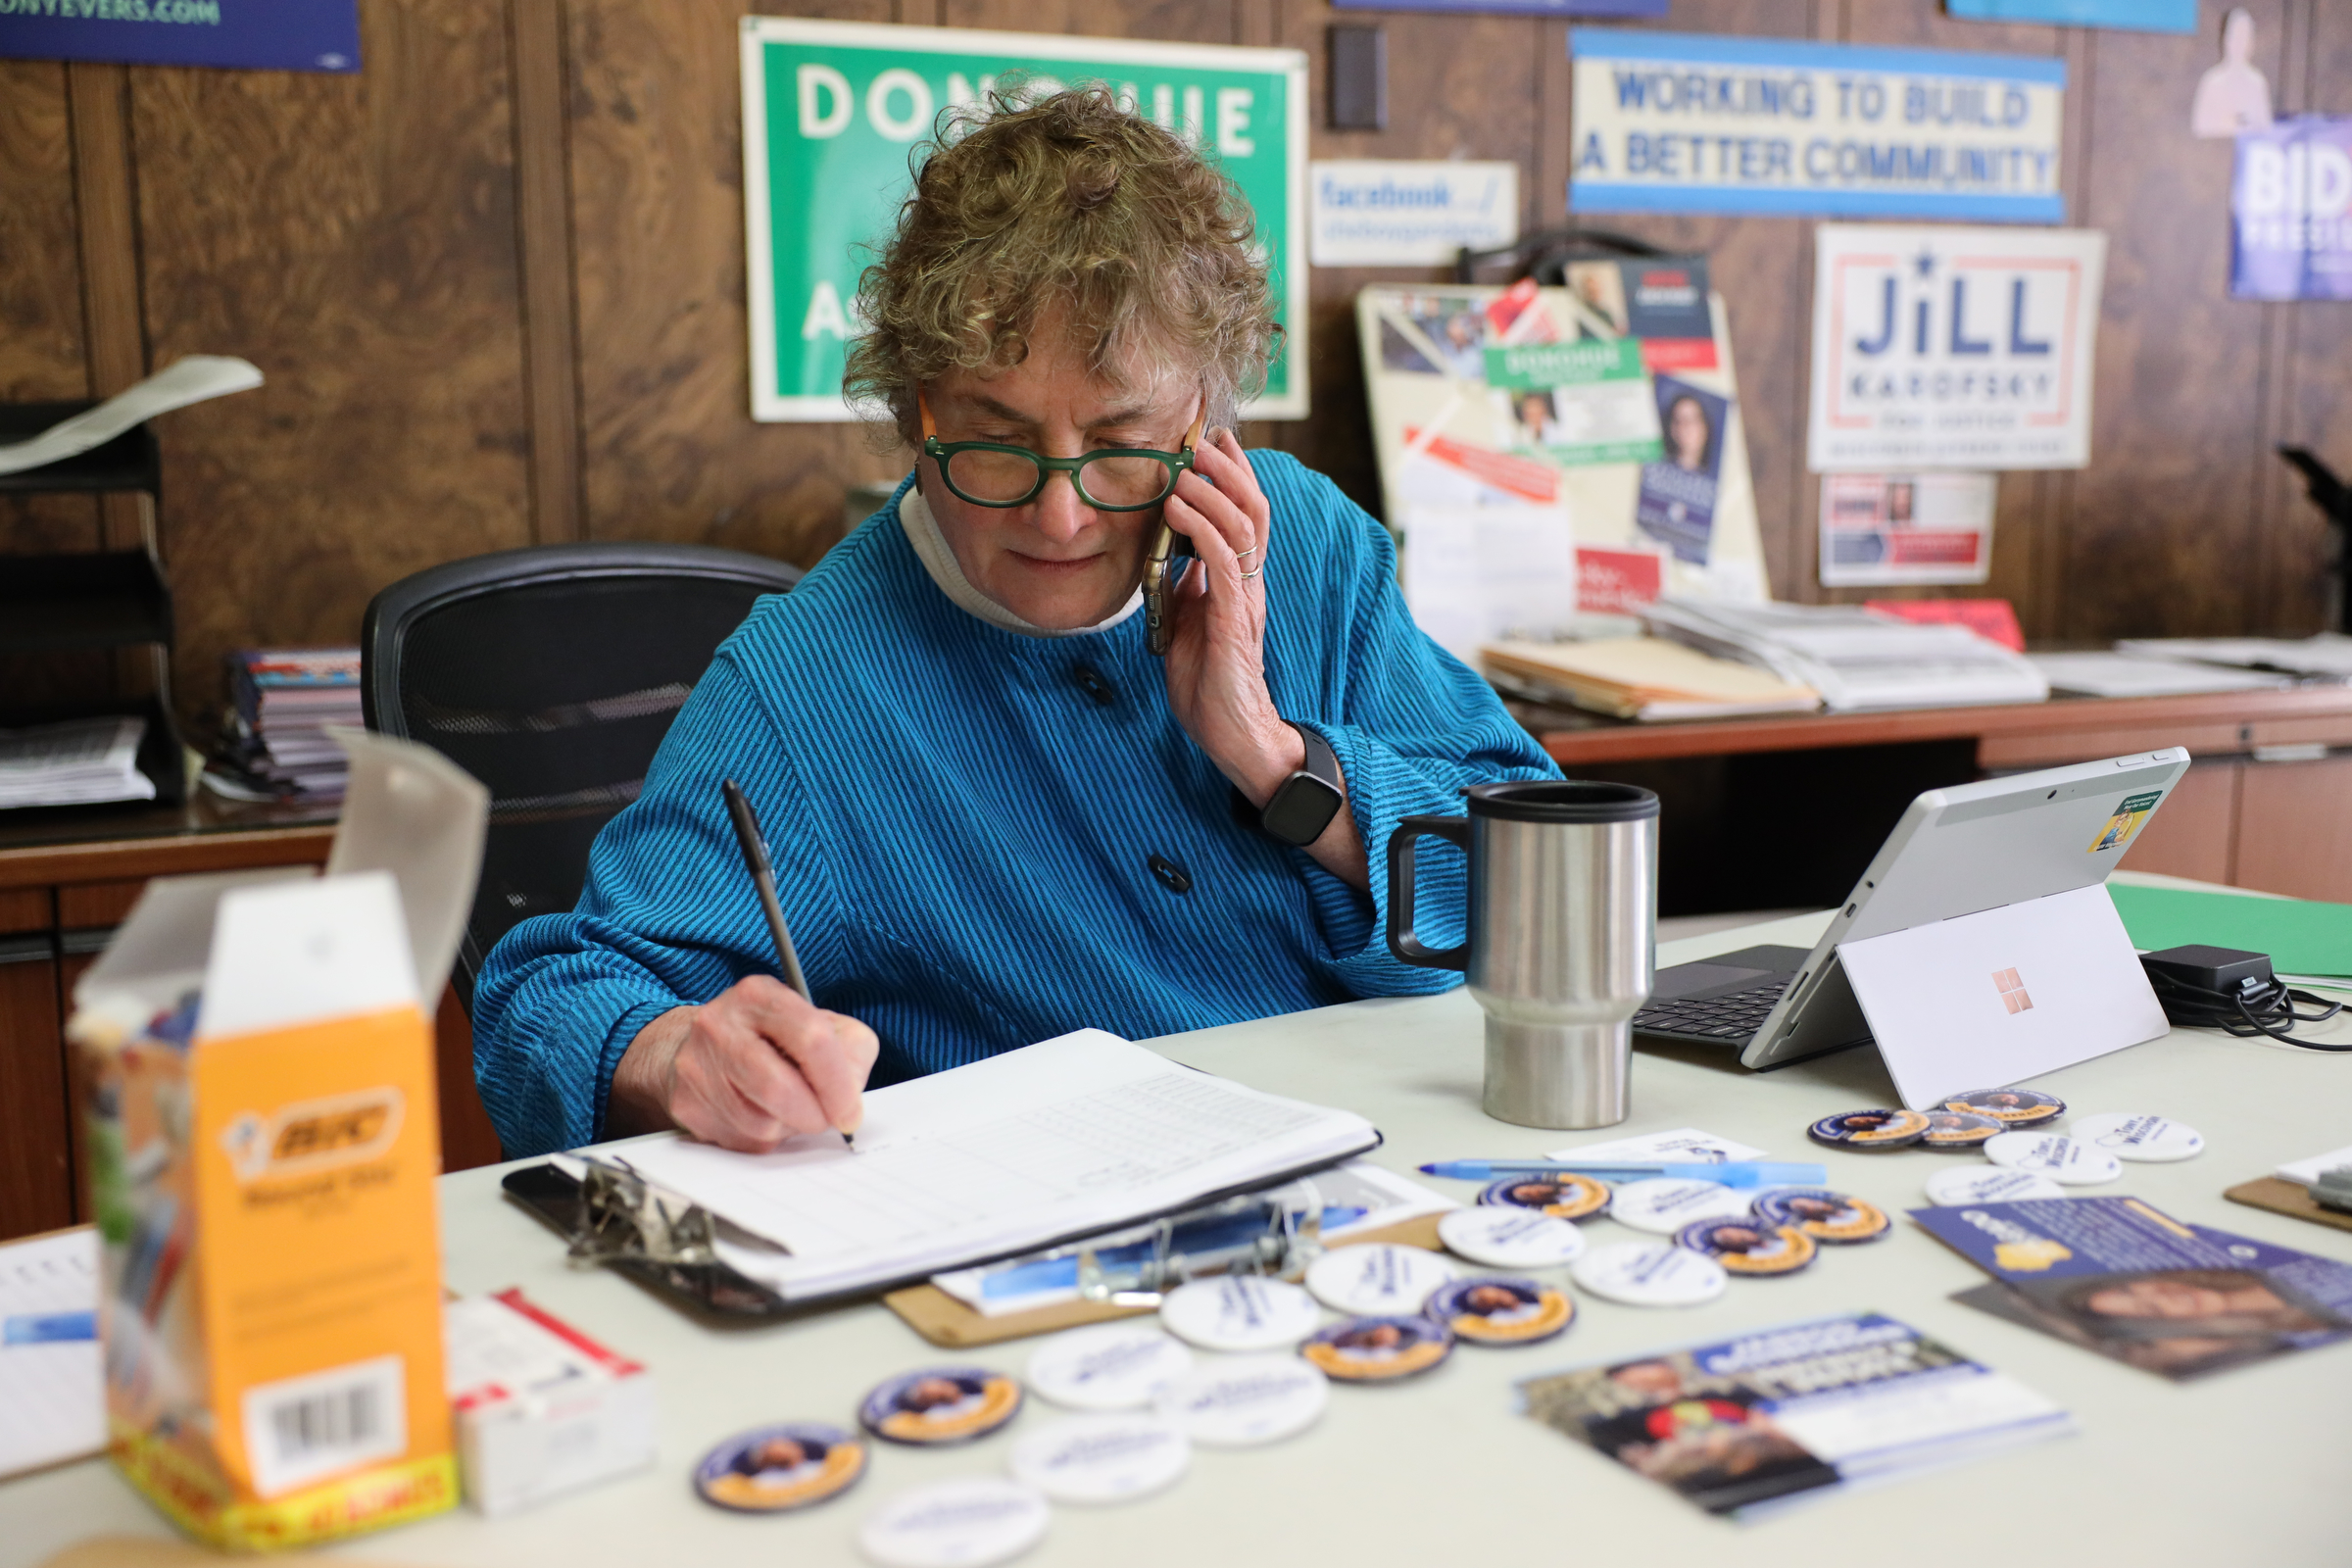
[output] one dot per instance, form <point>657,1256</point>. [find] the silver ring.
<point>1253,576</point>
<point>1245,555</point>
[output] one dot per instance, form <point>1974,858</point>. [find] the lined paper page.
<point>52,1405</point>
<point>1083,1132</point>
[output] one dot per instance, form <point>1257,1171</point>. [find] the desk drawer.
<point>25,909</point>
<point>83,906</point>
<point>36,1148</point>
<point>2051,747</point>
<point>2328,729</point>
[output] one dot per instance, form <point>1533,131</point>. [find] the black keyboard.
<point>1732,1019</point>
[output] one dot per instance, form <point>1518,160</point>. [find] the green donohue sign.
<point>833,111</point>
<point>1537,365</point>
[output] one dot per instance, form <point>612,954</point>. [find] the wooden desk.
<point>67,879</point>
<point>2268,804</point>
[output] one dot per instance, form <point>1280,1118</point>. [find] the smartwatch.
<point>1304,807</point>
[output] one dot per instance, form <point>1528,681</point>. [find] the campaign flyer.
<point>2119,1277</point>
<point>1676,504</point>
<point>1751,1425</point>
<point>1661,302</point>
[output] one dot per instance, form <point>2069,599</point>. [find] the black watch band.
<point>1307,802</point>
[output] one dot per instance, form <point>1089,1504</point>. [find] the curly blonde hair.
<point>1073,205</point>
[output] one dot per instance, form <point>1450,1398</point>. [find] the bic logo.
<point>314,1134</point>
<point>2012,990</point>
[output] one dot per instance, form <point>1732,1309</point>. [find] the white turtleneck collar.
<point>931,549</point>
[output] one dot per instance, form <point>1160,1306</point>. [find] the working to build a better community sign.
<point>1696,124</point>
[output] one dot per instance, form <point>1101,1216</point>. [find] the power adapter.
<point>2232,990</point>
<point>2208,968</point>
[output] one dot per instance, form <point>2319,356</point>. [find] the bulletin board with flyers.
<point>1551,453</point>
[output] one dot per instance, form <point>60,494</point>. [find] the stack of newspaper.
<point>1855,659</point>
<point>285,700</point>
<point>2326,656</point>
<point>85,763</point>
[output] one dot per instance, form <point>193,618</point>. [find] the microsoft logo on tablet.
<point>2013,991</point>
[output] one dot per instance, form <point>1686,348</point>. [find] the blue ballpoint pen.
<point>1734,1173</point>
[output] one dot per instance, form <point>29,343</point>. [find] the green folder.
<point>2301,937</point>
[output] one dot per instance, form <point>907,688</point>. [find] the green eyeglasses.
<point>1114,480</point>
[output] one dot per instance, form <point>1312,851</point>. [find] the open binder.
<point>1030,1150</point>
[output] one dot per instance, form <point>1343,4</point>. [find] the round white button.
<point>2065,1160</point>
<point>1102,1458</point>
<point>1240,1312</point>
<point>1243,1400</point>
<point>1649,1274</point>
<point>1664,1205</point>
<point>956,1524</point>
<point>2139,1137</point>
<point>1510,1237</point>
<point>1955,1185</point>
<point>1113,1366</point>
<point>1377,1279</point>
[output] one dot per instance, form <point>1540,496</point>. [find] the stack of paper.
<point>1070,1138</point>
<point>2326,656</point>
<point>2137,1286</point>
<point>286,698</point>
<point>52,1403</point>
<point>2132,676</point>
<point>1768,1418</point>
<point>1855,659</point>
<point>1641,677</point>
<point>85,763</point>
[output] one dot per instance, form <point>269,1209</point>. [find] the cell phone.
<point>1161,573</point>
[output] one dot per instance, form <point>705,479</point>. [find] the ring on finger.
<point>1251,576</point>
<point>1245,555</point>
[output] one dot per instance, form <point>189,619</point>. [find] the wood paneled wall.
<point>496,283</point>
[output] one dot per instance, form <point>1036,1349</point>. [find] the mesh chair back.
<point>551,674</point>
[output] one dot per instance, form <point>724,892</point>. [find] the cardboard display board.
<point>1545,452</point>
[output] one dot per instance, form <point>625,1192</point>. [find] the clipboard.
<point>719,1292</point>
<point>954,1325</point>
<point>2288,1198</point>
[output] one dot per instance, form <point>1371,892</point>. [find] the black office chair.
<point>551,674</point>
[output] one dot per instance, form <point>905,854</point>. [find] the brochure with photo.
<point>2117,1276</point>
<point>1748,1425</point>
<point>1676,506</point>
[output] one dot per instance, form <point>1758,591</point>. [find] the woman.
<point>1689,435</point>
<point>996,816</point>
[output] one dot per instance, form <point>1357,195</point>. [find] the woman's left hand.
<point>1216,650</point>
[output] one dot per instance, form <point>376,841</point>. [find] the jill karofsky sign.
<point>1952,348</point>
<point>832,111</point>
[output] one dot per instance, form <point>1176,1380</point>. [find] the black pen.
<point>764,878</point>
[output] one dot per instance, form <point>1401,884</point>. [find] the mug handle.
<point>1454,830</point>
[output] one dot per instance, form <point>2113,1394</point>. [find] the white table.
<point>2246,1467</point>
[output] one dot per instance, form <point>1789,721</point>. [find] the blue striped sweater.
<point>962,830</point>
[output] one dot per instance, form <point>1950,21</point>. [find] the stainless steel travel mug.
<point>1562,944</point>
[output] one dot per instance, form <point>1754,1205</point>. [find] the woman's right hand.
<point>746,1070</point>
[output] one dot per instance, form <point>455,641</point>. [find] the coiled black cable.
<point>2253,1007</point>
